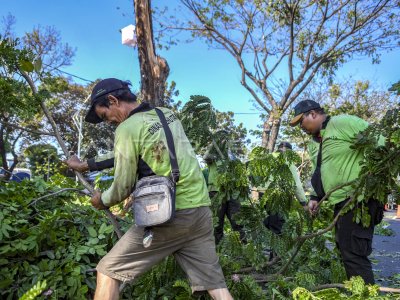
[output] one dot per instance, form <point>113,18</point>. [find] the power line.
<point>246,113</point>
<point>81,78</point>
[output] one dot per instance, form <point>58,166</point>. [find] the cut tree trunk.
<point>154,69</point>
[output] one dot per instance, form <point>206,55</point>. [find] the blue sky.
<point>92,26</point>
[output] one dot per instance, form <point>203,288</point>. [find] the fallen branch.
<point>341,286</point>
<point>57,193</point>
<point>284,268</point>
<point>333,190</point>
<point>267,264</point>
<point>322,231</point>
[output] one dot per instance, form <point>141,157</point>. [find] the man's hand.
<point>313,207</point>
<point>76,164</point>
<point>96,201</point>
<point>304,205</point>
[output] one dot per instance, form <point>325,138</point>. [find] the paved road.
<point>386,253</point>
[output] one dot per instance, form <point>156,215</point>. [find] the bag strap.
<point>319,157</point>
<point>319,161</point>
<point>171,147</point>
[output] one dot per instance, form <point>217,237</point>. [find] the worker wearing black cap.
<point>140,150</point>
<point>335,164</point>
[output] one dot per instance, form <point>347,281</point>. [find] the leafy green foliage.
<point>272,172</point>
<point>43,159</point>
<point>198,117</point>
<point>34,291</point>
<point>383,229</point>
<point>381,166</point>
<point>205,127</point>
<point>355,289</point>
<point>58,239</point>
<point>395,88</point>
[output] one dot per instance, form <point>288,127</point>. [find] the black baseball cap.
<point>301,108</point>
<point>286,145</point>
<point>102,88</point>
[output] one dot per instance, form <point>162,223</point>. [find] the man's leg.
<point>219,230</point>
<point>355,245</point>
<point>220,294</point>
<point>234,208</point>
<point>198,258</point>
<point>107,288</point>
<point>274,222</point>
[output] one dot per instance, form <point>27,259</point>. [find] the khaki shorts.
<point>189,237</point>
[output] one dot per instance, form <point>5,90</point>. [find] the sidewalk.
<point>386,253</point>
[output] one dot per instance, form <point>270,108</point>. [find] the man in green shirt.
<point>140,149</point>
<point>228,207</point>
<point>275,222</point>
<point>335,164</point>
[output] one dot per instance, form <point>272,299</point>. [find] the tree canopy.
<point>281,46</point>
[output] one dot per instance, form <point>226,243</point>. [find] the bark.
<point>271,131</point>
<point>154,69</point>
<point>3,149</point>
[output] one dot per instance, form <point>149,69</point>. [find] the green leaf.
<point>70,281</point>
<point>26,66</point>
<point>92,231</point>
<point>5,283</point>
<point>93,241</point>
<point>50,254</point>
<point>102,228</point>
<point>37,64</point>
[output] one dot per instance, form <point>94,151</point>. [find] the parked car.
<point>92,176</point>
<point>18,174</point>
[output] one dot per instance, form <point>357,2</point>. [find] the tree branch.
<point>342,286</point>
<point>34,201</point>
<point>65,150</point>
<point>284,268</point>
<point>28,130</point>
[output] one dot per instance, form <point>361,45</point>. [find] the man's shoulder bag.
<point>154,196</point>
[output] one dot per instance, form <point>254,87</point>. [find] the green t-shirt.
<point>340,164</point>
<point>141,136</point>
<point>212,177</point>
<point>299,191</point>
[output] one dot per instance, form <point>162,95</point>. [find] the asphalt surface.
<point>386,253</point>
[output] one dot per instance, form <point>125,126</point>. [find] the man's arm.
<point>98,163</point>
<point>299,192</point>
<point>312,149</point>
<point>101,162</point>
<point>126,154</point>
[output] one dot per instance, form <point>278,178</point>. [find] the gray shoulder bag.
<point>154,196</point>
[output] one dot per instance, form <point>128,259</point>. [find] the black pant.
<point>273,222</point>
<point>355,241</point>
<point>228,208</point>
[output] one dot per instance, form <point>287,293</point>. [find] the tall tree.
<point>359,98</point>
<point>154,69</point>
<point>16,103</point>
<point>43,159</point>
<point>20,117</point>
<point>395,88</point>
<point>295,40</point>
